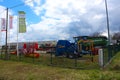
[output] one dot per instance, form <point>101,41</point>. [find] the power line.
<point>15,6</point>
<point>19,5</point>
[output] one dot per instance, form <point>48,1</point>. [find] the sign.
<point>10,21</point>
<point>22,23</point>
<point>3,26</point>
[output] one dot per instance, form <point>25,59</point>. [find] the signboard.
<point>22,24</point>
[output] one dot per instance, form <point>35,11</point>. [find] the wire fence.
<point>49,59</point>
<point>109,52</point>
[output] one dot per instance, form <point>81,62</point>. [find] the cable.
<point>19,5</point>
<point>15,6</point>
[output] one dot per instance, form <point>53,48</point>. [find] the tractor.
<point>83,45</point>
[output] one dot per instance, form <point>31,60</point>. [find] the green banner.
<point>22,23</point>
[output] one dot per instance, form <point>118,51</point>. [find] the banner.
<point>3,24</point>
<point>22,24</point>
<point>10,22</point>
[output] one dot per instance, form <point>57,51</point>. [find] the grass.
<point>45,59</point>
<point>22,70</point>
<point>25,71</point>
<point>115,63</point>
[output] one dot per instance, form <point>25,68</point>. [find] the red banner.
<point>10,21</point>
<point>3,26</point>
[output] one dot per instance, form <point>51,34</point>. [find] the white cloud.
<point>35,5</point>
<point>59,14</point>
<point>68,18</point>
<point>99,16</point>
<point>2,11</point>
<point>29,3</point>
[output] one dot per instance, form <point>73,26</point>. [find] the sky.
<point>60,19</point>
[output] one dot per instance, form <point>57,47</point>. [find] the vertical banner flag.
<point>22,24</point>
<point>10,22</point>
<point>3,26</point>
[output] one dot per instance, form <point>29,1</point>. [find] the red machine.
<point>29,50</point>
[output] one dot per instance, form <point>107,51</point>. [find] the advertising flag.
<point>10,22</point>
<point>3,26</point>
<point>22,23</point>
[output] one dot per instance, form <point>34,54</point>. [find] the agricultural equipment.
<point>28,49</point>
<point>82,45</point>
<point>87,44</point>
<point>64,47</point>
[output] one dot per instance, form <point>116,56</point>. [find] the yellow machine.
<point>85,46</point>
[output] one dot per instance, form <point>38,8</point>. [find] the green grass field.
<point>23,70</point>
<point>84,62</point>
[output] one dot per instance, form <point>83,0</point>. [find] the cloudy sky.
<point>60,19</point>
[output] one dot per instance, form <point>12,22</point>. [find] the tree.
<point>96,34</point>
<point>116,36</point>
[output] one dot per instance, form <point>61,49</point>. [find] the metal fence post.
<point>51,58</point>
<point>75,60</point>
<point>101,61</point>
<point>109,52</point>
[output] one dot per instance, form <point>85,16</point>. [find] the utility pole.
<point>107,17</point>
<point>6,46</point>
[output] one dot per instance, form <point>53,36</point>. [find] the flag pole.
<point>8,40</point>
<point>17,35</point>
<point>0,36</point>
<point>6,54</point>
<point>21,25</point>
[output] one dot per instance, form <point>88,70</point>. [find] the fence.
<point>109,52</point>
<point>84,62</point>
